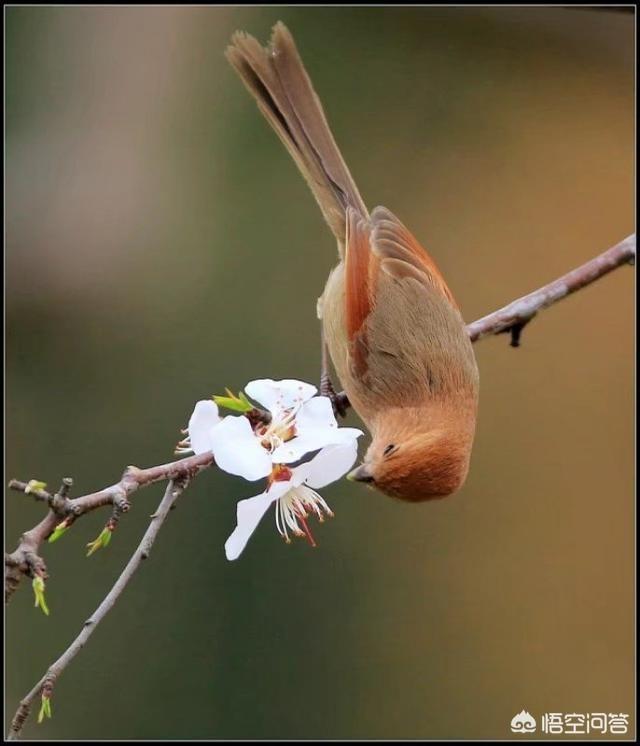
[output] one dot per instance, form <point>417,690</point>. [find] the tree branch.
<point>45,686</point>
<point>25,560</point>
<point>516,315</point>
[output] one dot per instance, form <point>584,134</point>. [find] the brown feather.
<point>277,79</point>
<point>358,284</point>
<point>390,239</point>
<point>359,287</point>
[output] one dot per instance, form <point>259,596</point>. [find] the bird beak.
<point>361,474</point>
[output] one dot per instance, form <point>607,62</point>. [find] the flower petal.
<point>293,450</point>
<point>317,413</point>
<point>238,451</point>
<point>330,464</point>
<point>277,396</point>
<point>316,427</point>
<point>205,417</point>
<point>347,435</point>
<point>249,514</point>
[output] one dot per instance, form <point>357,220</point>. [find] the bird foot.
<point>339,400</point>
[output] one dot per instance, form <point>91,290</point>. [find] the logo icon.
<point>523,722</point>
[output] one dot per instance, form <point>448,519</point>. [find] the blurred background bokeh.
<point>160,245</point>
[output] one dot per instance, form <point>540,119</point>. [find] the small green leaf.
<point>235,403</point>
<point>45,709</point>
<point>58,531</point>
<point>245,401</point>
<point>102,541</point>
<point>33,485</point>
<point>38,590</point>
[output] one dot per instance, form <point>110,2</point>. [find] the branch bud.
<point>102,541</point>
<point>38,590</point>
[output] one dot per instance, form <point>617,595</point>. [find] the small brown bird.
<point>392,327</point>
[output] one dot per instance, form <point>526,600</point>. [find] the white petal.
<point>316,413</point>
<point>294,450</point>
<point>205,416</point>
<point>277,396</point>
<point>347,435</point>
<point>237,450</point>
<point>249,514</point>
<point>330,464</point>
<point>300,473</point>
<point>316,427</point>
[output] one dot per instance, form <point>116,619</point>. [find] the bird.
<point>390,323</point>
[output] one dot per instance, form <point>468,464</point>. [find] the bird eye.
<point>389,449</point>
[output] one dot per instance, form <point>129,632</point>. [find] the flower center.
<point>278,431</point>
<point>279,473</point>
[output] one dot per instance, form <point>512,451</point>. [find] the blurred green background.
<point>161,246</point>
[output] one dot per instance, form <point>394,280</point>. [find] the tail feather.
<point>277,79</point>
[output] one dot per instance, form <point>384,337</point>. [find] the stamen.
<point>307,532</point>
<point>278,526</point>
<point>184,446</point>
<point>295,507</point>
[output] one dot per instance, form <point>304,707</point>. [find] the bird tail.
<point>277,79</point>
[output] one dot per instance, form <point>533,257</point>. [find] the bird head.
<point>417,458</point>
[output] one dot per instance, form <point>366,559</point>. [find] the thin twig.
<point>45,685</point>
<point>25,561</point>
<point>521,311</point>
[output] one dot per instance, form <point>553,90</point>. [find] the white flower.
<point>291,489</point>
<point>204,418</point>
<point>300,423</point>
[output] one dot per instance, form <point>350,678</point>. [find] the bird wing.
<point>401,255</point>
<point>381,244</point>
<point>360,272</point>
<point>361,268</point>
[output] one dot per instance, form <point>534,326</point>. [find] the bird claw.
<point>339,401</point>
